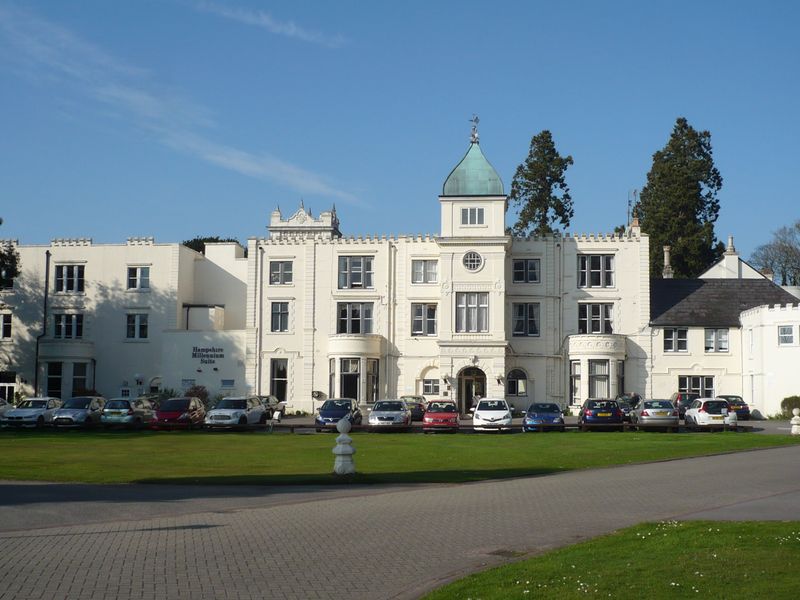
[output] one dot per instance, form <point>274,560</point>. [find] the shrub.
<point>199,391</point>
<point>787,404</point>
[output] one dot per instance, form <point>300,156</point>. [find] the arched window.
<point>517,383</point>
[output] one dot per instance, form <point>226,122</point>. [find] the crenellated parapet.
<point>61,242</point>
<point>140,241</point>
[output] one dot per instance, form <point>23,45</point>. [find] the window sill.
<point>137,291</point>
<point>281,285</point>
<point>137,340</point>
<point>526,335</point>
<point>529,283</point>
<point>430,283</point>
<point>280,332</point>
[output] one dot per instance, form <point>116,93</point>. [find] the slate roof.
<point>710,302</point>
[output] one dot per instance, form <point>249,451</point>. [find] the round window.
<point>473,261</point>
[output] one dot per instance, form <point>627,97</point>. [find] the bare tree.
<point>781,255</point>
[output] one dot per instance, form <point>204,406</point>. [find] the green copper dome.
<point>473,176</point>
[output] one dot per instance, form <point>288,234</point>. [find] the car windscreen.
<point>657,404</point>
<point>231,404</point>
<point>78,403</point>
<point>624,404</point>
<point>492,405</point>
<point>335,405</point>
<point>736,399</point>
<point>174,404</point>
<point>33,404</point>
<point>602,404</point>
<point>715,407</point>
<point>118,404</point>
<point>550,408</point>
<point>389,406</point>
<point>442,407</point>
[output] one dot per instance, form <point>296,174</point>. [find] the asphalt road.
<point>151,541</point>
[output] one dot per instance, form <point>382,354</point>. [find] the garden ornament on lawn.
<point>795,422</point>
<point>344,464</point>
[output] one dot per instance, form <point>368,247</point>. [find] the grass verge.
<point>258,458</point>
<point>695,559</point>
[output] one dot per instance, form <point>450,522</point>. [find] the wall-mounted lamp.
<point>216,369</point>
<point>499,379</point>
<point>199,370</point>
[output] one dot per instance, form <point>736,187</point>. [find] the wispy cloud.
<point>45,51</point>
<point>262,19</point>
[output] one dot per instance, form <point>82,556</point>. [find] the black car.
<point>738,405</point>
<point>683,400</point>
<point>626,405</point>
<point>417,405</point>
<point>334,410</point>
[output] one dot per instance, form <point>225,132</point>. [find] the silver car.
<point>390,414</point>
<point>80,411</point>
<point>659,413</point>
<point>133,413</point>
<point>33,412</point>
<point>236,412</point>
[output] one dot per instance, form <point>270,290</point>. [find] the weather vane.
<point>474,120</point>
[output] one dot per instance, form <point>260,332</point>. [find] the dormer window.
<point>472,216</point>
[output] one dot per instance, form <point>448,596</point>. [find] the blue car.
<point>600,412</point>
<point>543,416</point>
<point>334,410</point>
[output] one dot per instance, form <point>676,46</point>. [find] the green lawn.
<point>282,458</point>
<point>699,559</point>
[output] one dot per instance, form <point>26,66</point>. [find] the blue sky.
<point>177,118</point>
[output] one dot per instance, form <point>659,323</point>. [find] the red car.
<point>180,413</point>
<point>441,415</point>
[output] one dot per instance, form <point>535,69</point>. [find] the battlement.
<point>352,240</point>
<point>790,310</point>
<point>71,242</point>
<point>141,241</point>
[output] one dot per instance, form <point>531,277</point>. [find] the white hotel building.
<point>309,314</point>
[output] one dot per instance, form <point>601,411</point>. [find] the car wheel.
<point>263,420</point>
<point>40,422</point>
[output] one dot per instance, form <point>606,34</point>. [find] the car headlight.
<point>373,419</point>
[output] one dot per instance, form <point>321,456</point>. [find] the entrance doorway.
<point>471,383</point>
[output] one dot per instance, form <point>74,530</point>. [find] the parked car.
<point>441,415</point>
<point>417,406</point>
<point>492,414</point>
<point>334,410</point>
<point>542,416</point>
<point>600,412</point>
<point>707,412</point>
<point>236,412</point>
<point>80,411</point>
<point>272,405</point>
<point>32,412</point>
<point>655,412</point>
<point>738,405</point>
<point>390,414</point>
<point>682,400</point>
<point>133,413</point>
<point>626,405</point>
<point>182,413</point>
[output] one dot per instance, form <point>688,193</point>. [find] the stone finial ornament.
<point>795,422</point>
<point>473,138</point>
<point>344,464</point>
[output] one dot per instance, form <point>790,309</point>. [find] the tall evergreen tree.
<point>539,188</point>
<point>678,206</point>
<point>9,263</point>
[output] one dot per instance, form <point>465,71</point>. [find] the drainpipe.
<point>94,373</point>
<point>44,320</point>
<point>259,312</point>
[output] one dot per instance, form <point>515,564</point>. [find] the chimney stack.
<point>730,249</point>
<point>667,272</point>
<point>768,273</point>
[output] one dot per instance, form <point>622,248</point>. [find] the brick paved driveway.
<point>387,542</point>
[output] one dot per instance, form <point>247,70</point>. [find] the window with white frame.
<point>525,318</point>
<point>472,216</point>
<point>354,317</point>
<point>79,377</point>
<point>5,326</point>
<point>785,335</point>
<point>595,318</point>
<point>526,270</point>
<point>430,387</point>
<point>136,326</point>
<point>68,327</point>
<point>372,380</point>
<point>424,271</point>
<point>138,278</point>
<point>716,340</point>
<point>516,383</point>
<point>676,340</point>
<point>472,261</point>
<point>575,381</point>
<point>280,272</point>
<point>280,317</point>
<point>355,272</point>
<point>598,378</point>
<point>595,270</point>
<point>423,319</point>
<point>69,278</point>
<point>472,312</point>
<point>698,384</point>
